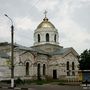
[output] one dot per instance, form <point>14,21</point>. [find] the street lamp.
<point>12,52</point>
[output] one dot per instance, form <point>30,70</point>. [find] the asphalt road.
<point>50,87</point>
<point>55,87</point>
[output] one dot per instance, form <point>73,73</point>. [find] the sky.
<point>70,17</point>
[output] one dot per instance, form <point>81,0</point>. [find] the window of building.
<point>38,37</point>
<point>44,69</point>
<point>68,73</point>
<point>47,37</point>
<point>55,38</point>
<point>73,73</point>
<point>67,65</point>
<point>73,66</point>
<point>27,68</point>
<point>38,71</point>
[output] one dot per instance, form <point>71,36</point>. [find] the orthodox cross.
<point>45,13</point>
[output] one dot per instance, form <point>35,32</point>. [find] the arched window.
<point>67,65</point>
<point>55,38</point>
<point>47,37</point>
<point>38,37</point>
<point>44,69</point>
<point>38,71</point>
<point>27,68</point>
<point>73,66</point>
<point>68,72</point>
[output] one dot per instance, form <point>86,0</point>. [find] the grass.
<point>41,82</point>
<point>37,82</point>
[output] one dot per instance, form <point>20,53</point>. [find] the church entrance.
<point>54,74</point>
<point>27,68</point>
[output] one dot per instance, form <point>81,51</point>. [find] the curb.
<point>86,87</point>
<point>15,88</point>
<point>72,84</point>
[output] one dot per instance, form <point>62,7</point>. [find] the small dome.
<point>45,23</point>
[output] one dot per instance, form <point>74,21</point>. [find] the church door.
<point>54,74</point>
<point>27,68</point>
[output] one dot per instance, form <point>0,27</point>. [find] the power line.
<point>35,3</point>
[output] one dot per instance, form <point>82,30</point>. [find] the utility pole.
<point>12,51</point>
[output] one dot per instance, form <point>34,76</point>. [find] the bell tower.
<point>46,33</point>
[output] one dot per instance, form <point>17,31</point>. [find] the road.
<point>50,87</point>
<point>56,87</point>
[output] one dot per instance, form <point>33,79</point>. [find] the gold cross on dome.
<point>45,13</point>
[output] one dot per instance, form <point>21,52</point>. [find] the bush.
<point>62,82</point>
<point>39,83</point>
<point>19,81</point>
<point>6,81</point>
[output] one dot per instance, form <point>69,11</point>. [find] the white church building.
<point>45,59</point>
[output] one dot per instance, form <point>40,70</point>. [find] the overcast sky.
<point>70,17</point>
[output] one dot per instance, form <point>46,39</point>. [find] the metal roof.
<point>4,55</point>
<point>30,49</point>
<point>60,51</point>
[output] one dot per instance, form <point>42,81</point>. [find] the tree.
<point>85,60</point>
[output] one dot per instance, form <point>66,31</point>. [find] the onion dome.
<point>45,24</point>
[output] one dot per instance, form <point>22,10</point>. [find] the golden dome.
<point>45,23</point>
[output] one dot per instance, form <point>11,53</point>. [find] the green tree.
<point>85,60</point>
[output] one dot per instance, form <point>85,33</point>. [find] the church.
<point>46,59</point>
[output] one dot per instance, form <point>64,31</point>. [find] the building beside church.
<point>45,59</point>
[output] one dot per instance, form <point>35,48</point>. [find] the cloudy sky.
<point>70,17</point>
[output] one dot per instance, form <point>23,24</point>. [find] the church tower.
<point>46,35</point>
